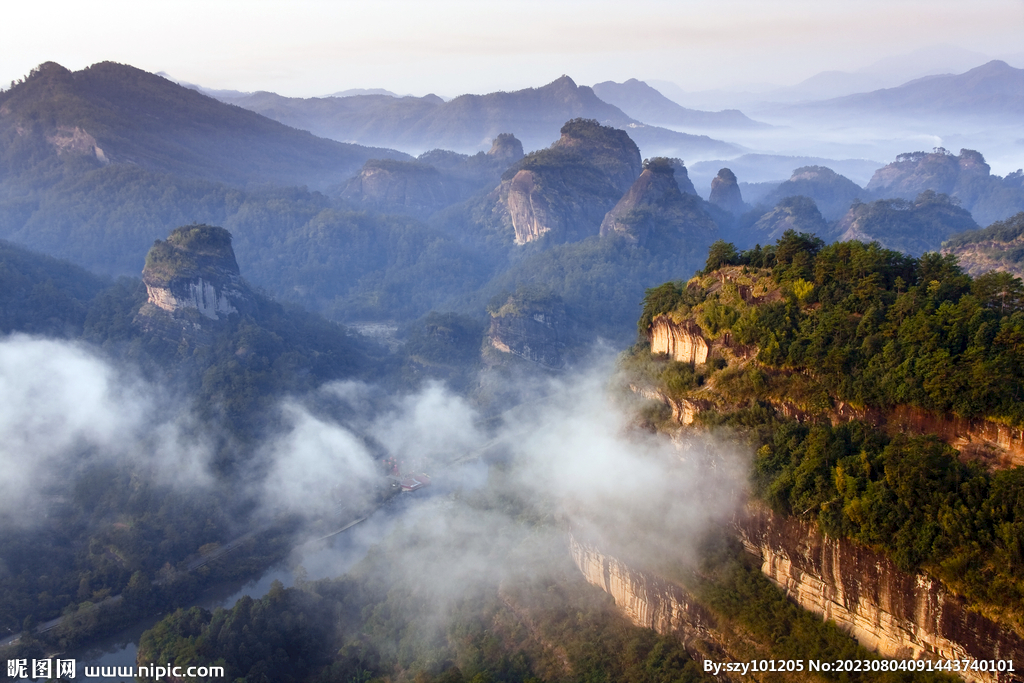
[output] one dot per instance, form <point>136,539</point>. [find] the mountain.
<point>990,90</point>
<point>114,114</point>
<point>831,192</point>
<point>644,103</point>
<point>468,123</point>
<point>562,193</point>
<point>796,213</point>
<point>965,176</point>
<point>999,247</point>
<point>757,168</point>
<point>437,179</point>
<point>654,213</point>
<point>911,227</point>
<point>725,193</point>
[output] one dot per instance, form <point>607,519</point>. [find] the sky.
<point>307,48</point>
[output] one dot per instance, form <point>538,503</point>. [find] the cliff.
<point>965,176</point>
<point>898,614</point>
<point>655,213</point>
<point>725,193</point>
<point>651,601</point>
<point>563,192</point>
<point>192,279</point>
<point>998,247</point>
<point>682,341</point>
<point>531,326</point>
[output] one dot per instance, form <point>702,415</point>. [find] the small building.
<point>414,482</point>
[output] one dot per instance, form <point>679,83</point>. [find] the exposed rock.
<point>725,193</point>
<point>967,177</point>
<point>192,279</point>
<point>529,210</point>
<point>563,192</point>
<point>655,213</point>
<point>683,342</point>
<point>683,178</point>
<point>506,149</point>
<point>650,601</point>
<point>531,326</point>
<point>998,247</point>
<point>898,614</point>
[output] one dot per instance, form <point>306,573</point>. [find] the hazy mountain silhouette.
<point>116,114</point>
<point>468,123</point>
<point>642,102</point>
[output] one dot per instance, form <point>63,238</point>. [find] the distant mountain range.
<point>114,113</point>
<point>992,89</point>
<point>645,103</point>
<point>469,123</point>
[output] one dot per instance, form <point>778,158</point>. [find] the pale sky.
<point>315,47</point>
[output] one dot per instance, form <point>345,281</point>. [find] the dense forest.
<point>799,328</point>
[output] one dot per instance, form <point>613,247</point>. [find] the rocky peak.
<point>725,192</point>
<point>655,208</point>
<point>506,148</point>
<point>610,149</point>
<point>194,272</point>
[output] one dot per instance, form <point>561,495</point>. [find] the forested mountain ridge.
<point>846,366</point>
<point>116,114</point>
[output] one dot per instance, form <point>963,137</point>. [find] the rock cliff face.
<point>530,210</point>
<point>683,342</point>
<point>900,615</point>
<point>650,601</point>
<point>563,192</point>
<point>654,212</point>
<point>531,327</point>
<point>192,277</point>
<point>725,193</point>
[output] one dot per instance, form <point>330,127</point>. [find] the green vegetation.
<point>914,227</point>
<point>874,327</point>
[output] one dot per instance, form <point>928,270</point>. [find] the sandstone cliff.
<point>563,192</point>
<point>682,341</point>
<point>898,614</point>
<point>531,326</point>
<point>650,601</point>
<point>192,280</point>
<point>725,193</point>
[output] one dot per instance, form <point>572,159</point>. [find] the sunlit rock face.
<point>898,614</point>
<point>529,209</point>
<point>648,600</point>
<point>562,193</point>
<point>190,278</point>
<point>681,341</point>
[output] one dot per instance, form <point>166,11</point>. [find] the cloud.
<point>64,407</point>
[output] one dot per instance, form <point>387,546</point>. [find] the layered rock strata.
<point>683,341</point>
<point>898,614</point>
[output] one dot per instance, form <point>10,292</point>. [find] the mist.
<point>65,408</point>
